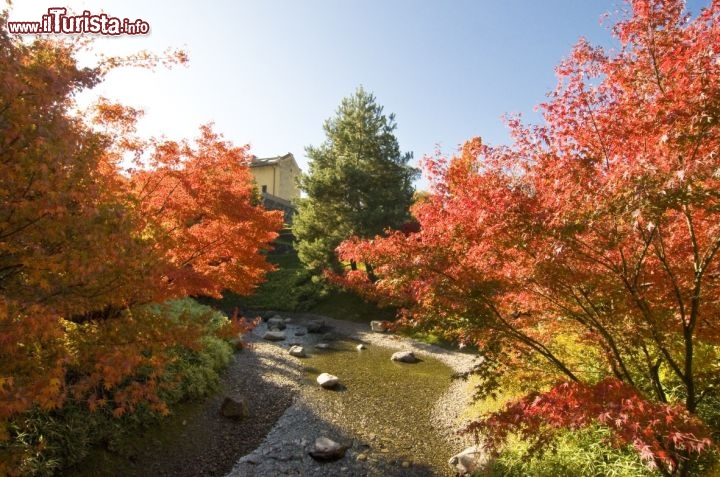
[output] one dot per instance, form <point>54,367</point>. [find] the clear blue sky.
<point>269,72</point>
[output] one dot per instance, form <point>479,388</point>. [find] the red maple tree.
<point>590,244</point>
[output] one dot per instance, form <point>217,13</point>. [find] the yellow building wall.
<point>288,173</point>
<point>267,176</point>
<point>279,179</point>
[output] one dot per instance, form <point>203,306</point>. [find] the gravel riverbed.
<point>285,449</point>
<point>285,418</point>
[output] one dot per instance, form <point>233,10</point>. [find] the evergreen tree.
<point>359,182</point>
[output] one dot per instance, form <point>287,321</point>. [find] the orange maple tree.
<point>198,207</point>
<point>84,243</point>
<point>588,250</point>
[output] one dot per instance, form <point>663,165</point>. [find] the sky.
<point>269,72</point>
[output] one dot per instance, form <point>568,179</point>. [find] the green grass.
<point>293,288</point>
<point>345,305</point>
<point>289,288</point>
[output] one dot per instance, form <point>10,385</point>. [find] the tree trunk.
<point>370,273</point>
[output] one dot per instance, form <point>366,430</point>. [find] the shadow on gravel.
<point>196,440</point>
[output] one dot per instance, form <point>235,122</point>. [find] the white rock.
<point>378,326</point>
<point>297,351</point>
<point>361,347</point>
<point>470,460</point>
<point>327,380</point>
<point>404,357</point>
<point>322,346</point>
<point>327,449</point>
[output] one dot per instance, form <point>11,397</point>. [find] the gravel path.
<point>285,449</point>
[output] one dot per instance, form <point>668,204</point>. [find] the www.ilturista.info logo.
<point>57,21</point>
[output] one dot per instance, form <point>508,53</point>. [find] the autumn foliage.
<point>95,225</point>
<point>587,251</point>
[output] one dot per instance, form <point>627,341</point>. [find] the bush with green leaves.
<point>579,453</point>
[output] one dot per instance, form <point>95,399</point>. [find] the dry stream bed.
<point>396,418</point>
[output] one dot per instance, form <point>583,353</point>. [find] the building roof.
<point>269,161</point>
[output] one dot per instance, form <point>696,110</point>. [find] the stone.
<point>297,351</point>
<point>274,335</point>
<point>404,357</point>
<point>471,460</point>
<point>300,332</point>
<point>327,449</point>
<point>327,380</point>
<point>378,326</point>
<point>322,346</point>
<point>315,326</point>
<point>235,407</point>
<point>276,322</point>
<point>406,464</point>
<point>361,347</point>
<point>361,457</point>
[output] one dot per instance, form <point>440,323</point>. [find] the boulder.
<point>297,351</point>
<point>378,326</point>
<point>235,407</point>
<point>404,357</point>
<point>469,461</point>
<point>276,322</point>
<point>361,347</point>
<point>327,449</point>
<point>315,326</point>
<point>274,335</point>
<point>327,380</point>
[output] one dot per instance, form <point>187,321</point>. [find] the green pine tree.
<point>359,182</point>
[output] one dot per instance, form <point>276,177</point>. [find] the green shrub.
<point>199,371</point>
<point>52,440</point>
<point>580,453</point>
